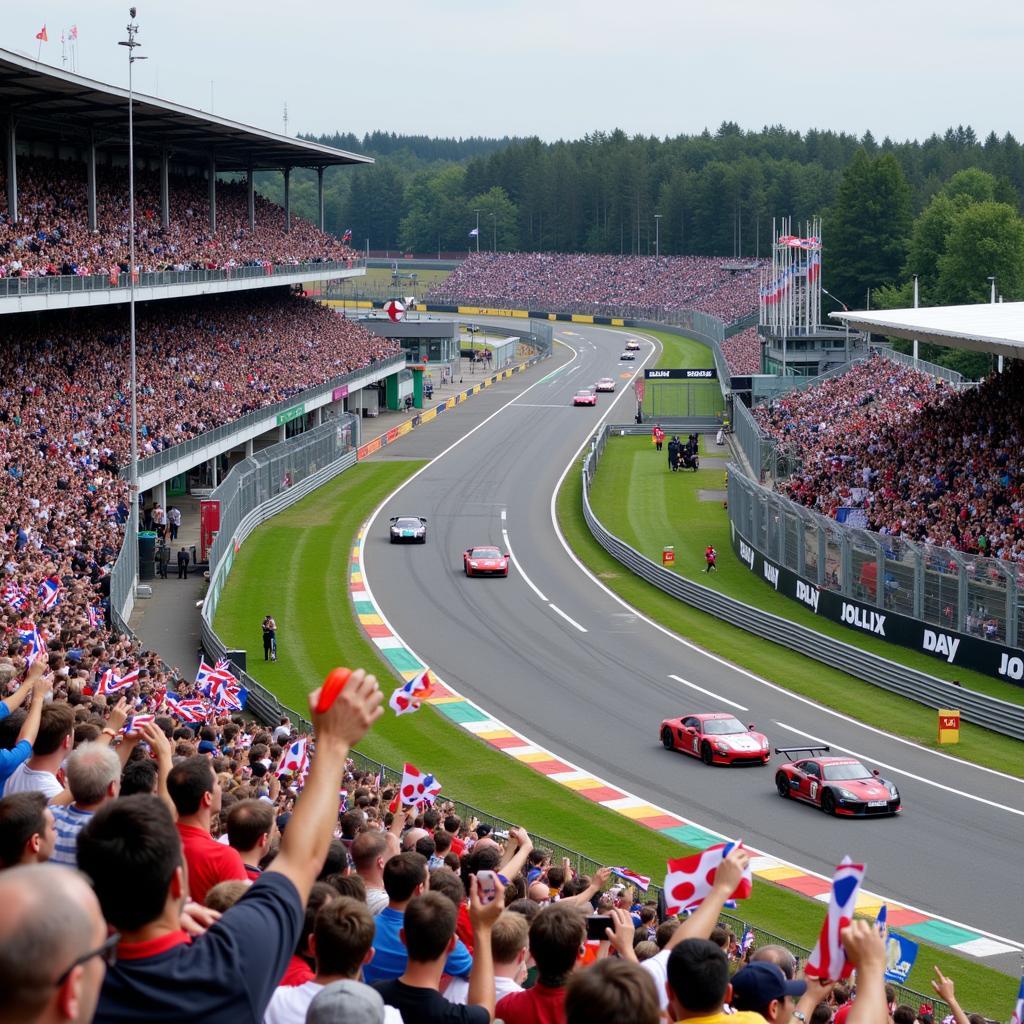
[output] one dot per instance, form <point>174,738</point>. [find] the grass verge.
<point>296,566</point>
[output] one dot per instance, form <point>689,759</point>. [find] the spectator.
<point>94,777</point>
<point>778,955</point>
<point>430,939</point>
<point>405,877</point>
<point>762,988</point>
<point>342,943</point>
<point>252,828</point>
<point>27,835</point>
<point>196,791</point>
<point>351,1002</point>
<point>509,951</point>
<point>370,851</point>
<point>54,946</point>
<point>132,853</point>
<point>35,687</point>
<point>224,895</point>
<point>609,992</point>
<point>52,744</point>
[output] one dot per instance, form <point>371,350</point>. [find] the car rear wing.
<point>813,751</point>
<point>394,519</point>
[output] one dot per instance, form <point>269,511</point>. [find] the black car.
<point>408,529</point>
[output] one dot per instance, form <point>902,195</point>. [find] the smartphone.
<point>486,882</point>
<point>596,924</point>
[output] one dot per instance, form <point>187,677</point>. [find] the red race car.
<point>717,738</point>
<point>838,785</point>
<point>585,396</point>
<point>485,562</point>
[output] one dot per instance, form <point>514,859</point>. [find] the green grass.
<point>677,352</point>
<point>378,280</point>
<point>296,565</point>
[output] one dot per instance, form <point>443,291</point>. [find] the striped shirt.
<point>69,823</point>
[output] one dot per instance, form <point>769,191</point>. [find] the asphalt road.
<point>559,659</point>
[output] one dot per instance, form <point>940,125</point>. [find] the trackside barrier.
<point>998,715</point>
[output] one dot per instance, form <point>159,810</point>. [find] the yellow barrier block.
<point>582,318</point>
<point>405,427</point>
<point>429,415</point>
<point>618,323</point>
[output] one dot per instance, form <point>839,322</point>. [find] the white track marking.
<point>709,693</point>
<point>571,621</point>
<point>519,569</point>
<point>504,514</point>
<point>573,463</point>
<point>902,771</point>
<point>574,369</point>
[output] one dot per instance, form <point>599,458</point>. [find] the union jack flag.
<point>134,723</point>
<point>206,677</point>
<point>110,683</point>
<point>640,881</point>
<point>29,635</point>
<point>190,709</point>
<point>14,596</point>
<point>49,592</point>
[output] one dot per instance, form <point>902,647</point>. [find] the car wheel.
<point>706,754</point>
<point>666,739</point>
<point>828,802</point>
<point>782,785</point>
<point>423,540</point>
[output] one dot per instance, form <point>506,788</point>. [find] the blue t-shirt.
<point>10,759</point>
<point>227,975</point>
<point>390,956</point>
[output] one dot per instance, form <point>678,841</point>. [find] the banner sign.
<point>341,392</point>
<point>961,649</point>
<point>291,414</point>
<point>689,374</point>
<point>900,954</point>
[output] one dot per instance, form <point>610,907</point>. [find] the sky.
<point>559,68</point>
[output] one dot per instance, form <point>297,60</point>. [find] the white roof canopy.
<point>996,328</point>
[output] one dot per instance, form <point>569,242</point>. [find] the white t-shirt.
<point>657,968</point>
<point>288,1005</point>
<point>458,989</point>
<point>27,780</point>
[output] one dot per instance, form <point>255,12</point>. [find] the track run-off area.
<point>570,673</point>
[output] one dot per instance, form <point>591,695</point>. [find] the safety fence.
<point>998,715</point>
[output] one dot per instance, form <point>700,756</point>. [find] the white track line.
<point>709,693</point>
<point>571,621</point>
<point>573,463</point>
<point>519,568</point>
<point>901,771</point>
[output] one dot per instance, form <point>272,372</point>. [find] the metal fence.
<point>945,588</point>
<point>63,284</point>
<point>122,580</point>
<point>998,715</point>
<point>268,412</point>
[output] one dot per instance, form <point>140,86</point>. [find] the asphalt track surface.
<point>574,670</point>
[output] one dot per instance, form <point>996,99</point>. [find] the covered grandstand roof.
<point>996,328</point>
<point>60,105</point>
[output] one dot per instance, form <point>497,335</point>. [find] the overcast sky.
<point>560,68</point>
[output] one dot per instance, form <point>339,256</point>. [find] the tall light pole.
<point>992,299</point>
<point>657,235</point>
<point>477,212</point>
<point>132,43</point>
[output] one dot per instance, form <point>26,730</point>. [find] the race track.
<point>554,656</point>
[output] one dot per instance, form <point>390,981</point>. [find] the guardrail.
<point>63,284</point>
<point>998,715</point>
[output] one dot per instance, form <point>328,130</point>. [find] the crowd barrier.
<point>998,715</point>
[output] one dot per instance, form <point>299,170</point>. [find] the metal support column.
<point>287,199</point>
<point>165,189</point>
<point>12,171</point>
<point>90,180</point>
<point>213,195</point>
<point>248,448</point>
<point>251,189</point>
<point>320,198</point>
<point>213,472</point>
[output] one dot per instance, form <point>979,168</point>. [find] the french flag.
<point>640,881</point>
<point>295,760</point>
<point>49,592</point>
<point>406,699</point>
<point>828,959</point>
<point>689,880</point>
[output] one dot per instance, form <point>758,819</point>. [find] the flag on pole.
<point>1017,1017</point>
<point>640,881</point>
<point>294,761</point>
<point>41,35</point>
<point>689,880</point>
<point>347,237</point>
<point>828,959</point>
<point>73,34</point>
<point>474,233</point>
<point>418,788</point>
<point>406,699</point>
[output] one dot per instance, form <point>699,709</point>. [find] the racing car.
<point>629,355</point>
<point>585,396</point>
<point>485,561</point>
<point>632,345</point>
<point>838,785</point>
<point>717,738</point>
<point>411,529</point>
<point>605,384</point>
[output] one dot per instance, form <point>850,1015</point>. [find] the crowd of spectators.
<point>65,431</point>
<point>923,459</point>
<point>600,283</point>
<point>213,884</point>
<point>51,235</point>
<point>743,351</point>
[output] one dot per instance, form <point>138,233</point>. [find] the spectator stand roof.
<point>996,328</point>
<point>57,104</point>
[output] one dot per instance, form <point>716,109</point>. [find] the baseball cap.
<point>350,1001</point>
<point>757,984</point>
